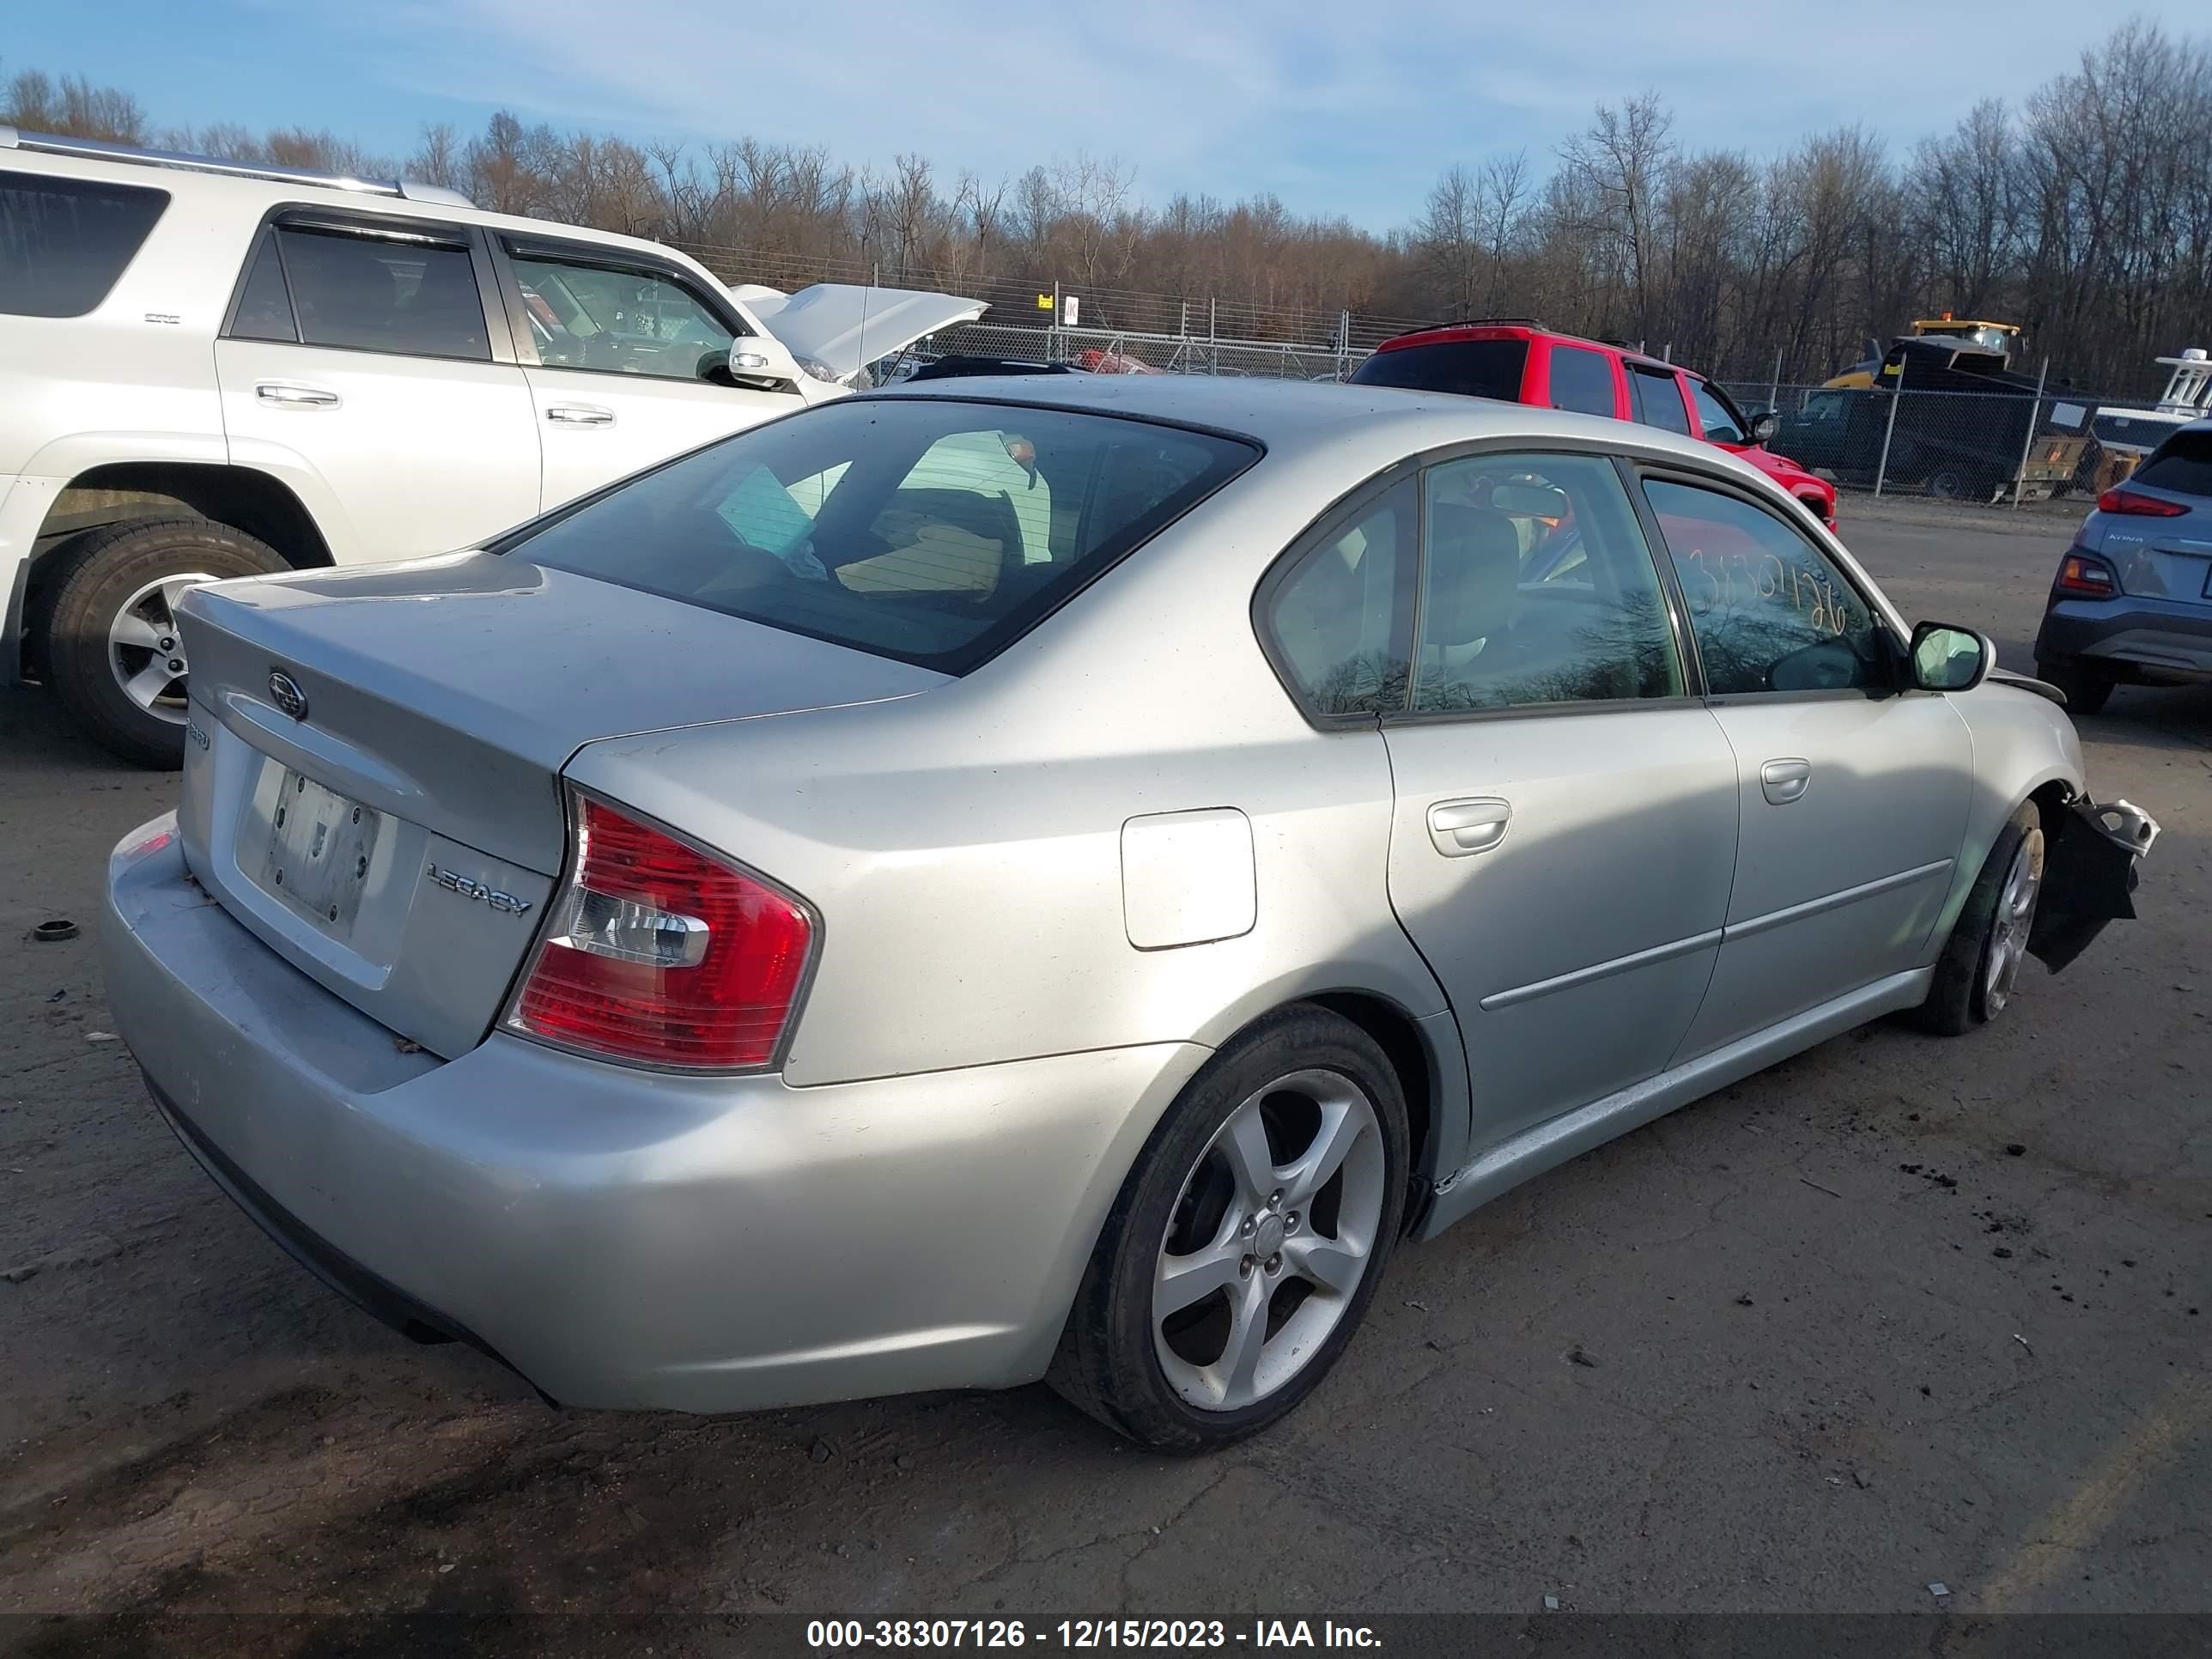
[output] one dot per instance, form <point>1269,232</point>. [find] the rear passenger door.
<point>627,359</point>
<point>1565,827</point>
<point>1855,793</point>
<point>357,365</point>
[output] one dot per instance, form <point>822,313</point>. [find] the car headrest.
<point>1473,573</point>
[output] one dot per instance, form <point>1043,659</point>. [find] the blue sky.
<point>1335,108</point>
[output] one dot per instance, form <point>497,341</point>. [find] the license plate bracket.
<point>321,845</point>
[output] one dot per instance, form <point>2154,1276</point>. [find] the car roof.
<point>1378,423</point>
<point>1523,329</point>
<point>196,177</point>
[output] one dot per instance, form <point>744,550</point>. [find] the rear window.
<point>931,531</point>
<point>1473,368</point>
<point>2182,463</point>
<point>64,241</point>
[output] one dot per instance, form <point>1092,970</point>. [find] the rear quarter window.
<point>1581,380</point>
<point>929,529</point>
<point>1471,369</point>
<point>2182,463</point>
<point>64,241</point>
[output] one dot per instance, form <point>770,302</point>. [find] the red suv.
<point>1522,362</point>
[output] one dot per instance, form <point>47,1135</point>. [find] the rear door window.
<point>1581,380</point>
<point>64,241</point>
<point>1471,369</point>
<point>412,296</point>
<point>1656,395</point>
<point>929,530</point>
<point>1537,587</point>
<point>2183,463</point>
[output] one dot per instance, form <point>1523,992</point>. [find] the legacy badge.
<point>453,881</point>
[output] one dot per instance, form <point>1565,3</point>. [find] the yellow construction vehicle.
<point>2004,338</point>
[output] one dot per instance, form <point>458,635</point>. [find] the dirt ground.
<point>1900,1312</point>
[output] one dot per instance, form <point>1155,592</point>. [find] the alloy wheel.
<point>145,651</point>
<point>2014,921</point>
<point>1270,1238</point>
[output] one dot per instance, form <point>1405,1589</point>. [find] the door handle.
<point>1785,780</point>
<point>291,394</point>
<point>1474,825</point>
<point>579,415</point>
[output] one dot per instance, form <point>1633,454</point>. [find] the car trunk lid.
<point>373,771</point>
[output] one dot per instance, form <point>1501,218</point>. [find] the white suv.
<point>210,368</point>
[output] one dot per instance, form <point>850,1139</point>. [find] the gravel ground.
<point>1899,1310</point>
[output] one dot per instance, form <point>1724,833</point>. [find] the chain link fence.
<point>1128,351</point>
<point>1027,305</point>
<point>1997,446</point>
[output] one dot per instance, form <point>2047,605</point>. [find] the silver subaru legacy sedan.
<point>1052,879</point>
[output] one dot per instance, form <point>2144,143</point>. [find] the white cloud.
<point>1350,109</point>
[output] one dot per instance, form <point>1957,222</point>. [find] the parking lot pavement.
<point>1900,1310</point>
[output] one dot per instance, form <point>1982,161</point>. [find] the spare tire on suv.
<point>113,654</point>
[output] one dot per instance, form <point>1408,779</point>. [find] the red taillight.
<point>2118,500</point>
<point>655,953</point>
<point>2092,578</point>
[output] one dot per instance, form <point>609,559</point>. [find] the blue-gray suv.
<point>2133,598</point>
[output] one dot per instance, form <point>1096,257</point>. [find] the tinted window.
<point>1719,421</point>
<point>1657,398</point>
<point>630,321</point>
<point>1769,611</point>
<point>1473,368</point>
<point>1581,380</point>
<point>416,299</point>
<point>2183,463</point>
<point>1537,588</point>
<point>264,307</point>
<point>908,527</point>
<point>64,241</point>
<point>1339,622</point>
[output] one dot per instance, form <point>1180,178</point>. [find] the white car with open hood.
<point>211,368</point>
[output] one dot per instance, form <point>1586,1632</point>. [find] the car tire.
<point>1144,1367</point>
<point>2087,689</point>
<point>110,612</point>
<point>1988,946</point>
<point>1950,483</point>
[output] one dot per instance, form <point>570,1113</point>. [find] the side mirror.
<point>1764,425</point>
<point>759,363</point>
<point>1947,659</point>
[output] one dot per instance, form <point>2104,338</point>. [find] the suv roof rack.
<point>101,150</point>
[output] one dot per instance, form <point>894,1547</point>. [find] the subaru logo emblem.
<point>284,692</point>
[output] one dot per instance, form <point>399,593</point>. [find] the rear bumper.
<point>623,1238</point>
<point>2173,636</point>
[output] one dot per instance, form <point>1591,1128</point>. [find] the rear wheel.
<point>2086,687</point>
<point>1981,960</point>
<point>112,649</point>
<point>1952,484</point>
<point>1247,1243</point>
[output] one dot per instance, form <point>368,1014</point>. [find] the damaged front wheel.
<point>1981,961</point>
